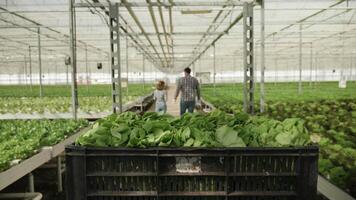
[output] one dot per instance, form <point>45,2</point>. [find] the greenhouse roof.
<point>174,33</point>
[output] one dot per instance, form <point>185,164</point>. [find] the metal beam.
<point>86,68</point>
<point>306,18</point>
<point>300,59</point>
<point>73,52</point>
<point>233,23</point>
<point>214,68</point>
<point>209,29</point>
<point>143,72</point>
<point>263,67</point>
<point>248,59</point>
<point>138,23</point>
<point>136,40</point>
<point>30,62</point>
<point>46,27</point>
<point>163,26</point>
<point>39,60</point>
<point>175,4</point>
<point>127,63</point>
<point>115,57</point>
<point>311,64</point>
<point>153,17</point>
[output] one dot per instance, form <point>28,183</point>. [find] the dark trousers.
<point>186,105</point>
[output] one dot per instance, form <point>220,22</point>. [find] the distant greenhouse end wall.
<point>137,77</point>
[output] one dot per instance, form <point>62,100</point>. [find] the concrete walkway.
<point>172,107</point>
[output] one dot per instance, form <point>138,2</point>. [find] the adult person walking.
<point>189,89</point>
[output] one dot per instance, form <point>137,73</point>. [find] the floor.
<point>172,107</point>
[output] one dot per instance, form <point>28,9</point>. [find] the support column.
<point>39,60</point>
<point>351,66</point>
<point>193,69</point>
<point>311,65</point>
<point>127,61</point>
<point>25,69</point>
<point>316,69</point>
<point>31,182</point>
<point>214,69</point>
<point>275,70</point>
<point>56,73</point>
<point>300,59</point>
<point>143,72</point>
<point>234,68</point>
<point>115,57</point>
<point>59,174</point>
<point>343,62</point>
<point>248,58</point>
<point>73,52</point>
<point>86,67</point>
<point>263,67</point>
<point>30,62</point>
<point>67,75</point>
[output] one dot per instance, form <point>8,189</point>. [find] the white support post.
<point>86,67</point>
<point>143,72</point>
<point>263,67</point>
<point>214,69</point>
<point>311,65</point>
<point>67,75</point>
<point>127,62</point>
<point>275,70</point>
<point>115,57</point>
<point>73,52</point>
<point>31,182</point>
<point>248,59</point>
<point>193,69</point>
<point>30,62</point>
<point>59,174</point>
<point>300,59</point>
<point>316,69</point>
<point>25,69</point>
<point>39,60</point>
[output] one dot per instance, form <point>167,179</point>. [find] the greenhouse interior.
<point>178,99</point>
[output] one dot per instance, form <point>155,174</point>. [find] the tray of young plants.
<point>215,129</point>
<point>21,139</point>
<point>331,123</point>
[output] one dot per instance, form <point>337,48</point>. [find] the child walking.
<point>160,96</point>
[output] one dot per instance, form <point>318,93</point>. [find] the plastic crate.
<point>186,173</point>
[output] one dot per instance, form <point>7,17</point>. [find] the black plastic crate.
<point>191,173</point>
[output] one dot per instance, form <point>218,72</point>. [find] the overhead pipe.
<point>179,4</point>
<point>237,19</point>
<point>137,40</point>
<point>323,38</point>
<point>216,26</point>
<point>46,27</point>
<point>312,23</point>
<point>163,25</point>
<point>209,28</point>
<point>306,18</point>
<point>126,31</point>
<point>153,17</point>
<point>129,9</point>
